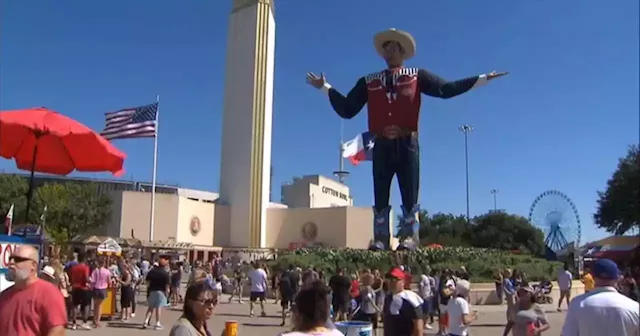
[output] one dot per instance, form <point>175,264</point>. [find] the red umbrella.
<point>48,142</point>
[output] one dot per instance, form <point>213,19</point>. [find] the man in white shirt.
<point>258,279</point>
<point>564,282</point>
<point>460,315</point>
<point>602,311</point>
<point>427,289</point>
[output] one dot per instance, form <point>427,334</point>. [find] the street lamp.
<point>495,198</point>
<point>466,129</point>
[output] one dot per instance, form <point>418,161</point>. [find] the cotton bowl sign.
<point>8,244</point>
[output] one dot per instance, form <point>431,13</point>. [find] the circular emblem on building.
<point>309,231</point>
<point>194,225</point>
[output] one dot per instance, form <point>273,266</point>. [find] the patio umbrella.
<point>42,140</point>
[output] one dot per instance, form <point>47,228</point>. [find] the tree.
<point>13,190</point>
<point>619,205</point>
<point>72,209</point>
<point>444,229</point>
<point>504,231</point>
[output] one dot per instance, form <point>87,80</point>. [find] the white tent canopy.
<point>109,246</point>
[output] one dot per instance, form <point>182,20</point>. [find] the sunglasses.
<point>209,302</point>
<point>18,259</point>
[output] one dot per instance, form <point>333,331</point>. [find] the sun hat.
<point>463,287</point>
<point>48,270</point>
<point>403,38</point>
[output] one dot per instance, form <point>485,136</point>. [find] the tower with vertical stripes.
<point>245,163</point>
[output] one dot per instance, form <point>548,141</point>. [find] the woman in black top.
<point>126,291</point>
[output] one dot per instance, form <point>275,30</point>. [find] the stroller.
<point>543,291</point>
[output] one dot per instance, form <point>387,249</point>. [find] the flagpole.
<point>153,176</point>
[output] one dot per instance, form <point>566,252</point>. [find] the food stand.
<point>111,249</point>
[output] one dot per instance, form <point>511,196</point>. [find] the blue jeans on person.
<point>398,157</point>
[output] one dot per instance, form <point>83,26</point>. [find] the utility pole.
<point>466,129</point>
<point>495,199</point>
<point>341,174</point>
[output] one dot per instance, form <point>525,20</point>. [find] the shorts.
<point>340,306</point>
<point>174,289</point>
<point>286,299</point>
<point>157,299</point>
<point>81,297</point>
<point>99,294</point>
<point>255,296</point>
<point>426,307</point>
<point>443,321</point>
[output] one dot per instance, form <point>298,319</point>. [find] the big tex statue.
<point>393,98</point>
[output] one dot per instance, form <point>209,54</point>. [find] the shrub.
<point>480,263</point>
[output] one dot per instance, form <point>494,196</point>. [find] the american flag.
<point>136,122</point>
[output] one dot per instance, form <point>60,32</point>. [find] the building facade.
<point>316,211</point>
<point>315,191</point>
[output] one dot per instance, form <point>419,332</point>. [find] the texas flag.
<point>359,149</point>
<point>8,221</point>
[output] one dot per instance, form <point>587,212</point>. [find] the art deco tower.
<point>247,120</point>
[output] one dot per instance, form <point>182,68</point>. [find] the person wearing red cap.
<point>393,99</point>
<point>602,311</point>
<point>402,311</point>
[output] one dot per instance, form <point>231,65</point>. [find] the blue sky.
<point>560,121</point>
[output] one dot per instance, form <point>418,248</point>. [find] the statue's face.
<point>393,53</point>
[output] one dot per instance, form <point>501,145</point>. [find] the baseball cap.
<point>396,273</point>
<point>605,269</point>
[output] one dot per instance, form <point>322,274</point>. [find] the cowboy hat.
<point>403,38</point>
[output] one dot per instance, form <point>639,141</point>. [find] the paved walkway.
<point>489,323</point>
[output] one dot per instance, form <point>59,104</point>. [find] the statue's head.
<point>394,46</point>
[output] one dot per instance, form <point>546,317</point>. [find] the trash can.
<point>355,328</point>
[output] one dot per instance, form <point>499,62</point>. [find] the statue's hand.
<point>315,80</point>
<point>494,74</point>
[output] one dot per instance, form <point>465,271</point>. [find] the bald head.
<point>27,252</point>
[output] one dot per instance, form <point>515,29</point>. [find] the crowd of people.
<point>47,300</point>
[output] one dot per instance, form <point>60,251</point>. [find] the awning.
<point>609,252</point>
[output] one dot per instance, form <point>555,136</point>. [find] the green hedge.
<point>480,263</point>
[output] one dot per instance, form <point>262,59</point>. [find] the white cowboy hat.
<point>403,38</point>
<point>48,270</point>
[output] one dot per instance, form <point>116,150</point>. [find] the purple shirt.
<point>100,278</point>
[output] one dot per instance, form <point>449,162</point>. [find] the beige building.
<point>315,191</point>
<point>195,218</point>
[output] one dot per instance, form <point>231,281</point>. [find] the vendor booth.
<point>111,249</point>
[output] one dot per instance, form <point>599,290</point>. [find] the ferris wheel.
<point>556,215</point>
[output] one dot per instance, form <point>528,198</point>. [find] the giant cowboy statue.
<point>393,99</point>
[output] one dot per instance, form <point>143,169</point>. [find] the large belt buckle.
<point>392,132</point>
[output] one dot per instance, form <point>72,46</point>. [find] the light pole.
<point>341,173</point>
<point>495,198</point>
<point>466,129</point>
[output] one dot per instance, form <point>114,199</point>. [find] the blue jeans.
<point>398,157</point>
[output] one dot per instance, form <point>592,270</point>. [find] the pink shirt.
<point>100,278</point>
<point>32,311</point>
